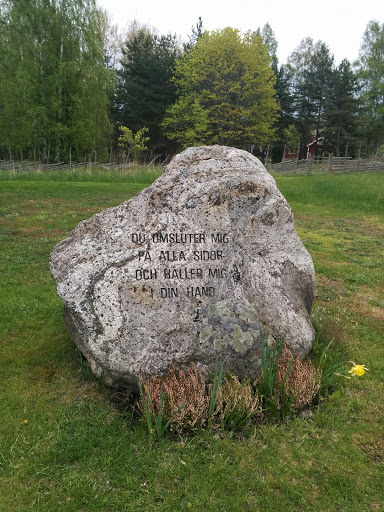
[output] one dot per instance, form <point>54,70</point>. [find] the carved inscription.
<point>190,268</point>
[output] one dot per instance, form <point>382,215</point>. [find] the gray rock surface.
<point>188,270</point>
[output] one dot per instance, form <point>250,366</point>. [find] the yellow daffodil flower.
<point>357,369</point>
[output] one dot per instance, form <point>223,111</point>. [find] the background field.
<point>67,445</point>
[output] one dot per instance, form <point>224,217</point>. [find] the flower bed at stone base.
<point>184,402</point>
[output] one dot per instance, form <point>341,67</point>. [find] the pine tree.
<point>370,70</point>
<point>319,86</point>
<point>310,67</point>
<point>342,110</point>
<point>197,32</point>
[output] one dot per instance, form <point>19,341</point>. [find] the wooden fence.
<point>312,165</point>
<point>13,165</point>
<point>24,166</point>
<point>326,165</point>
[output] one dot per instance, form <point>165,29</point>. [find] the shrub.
<point>186,401</point>
<point>156,423</point>
<point>237,402</point>
<point>285,383</point>
<point>300,379</point>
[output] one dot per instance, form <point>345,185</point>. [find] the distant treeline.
<point>69,82</point>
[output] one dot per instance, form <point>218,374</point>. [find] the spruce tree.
<point>145,89</point>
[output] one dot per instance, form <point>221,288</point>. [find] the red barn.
<point>310,149</point>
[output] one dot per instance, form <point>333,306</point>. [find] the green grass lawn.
<point>66,444</point>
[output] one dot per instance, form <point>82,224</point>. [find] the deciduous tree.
<point>133,144</point>
<point>226,77</point>
<point>271,44</point>
<point>53,80</point>
<point>283,91</point>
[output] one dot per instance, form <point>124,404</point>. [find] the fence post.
<point>376,158</point>
<point>345,156</point>
<point>329,163</point>
<point>266,157</point>
<point>309,164</point>
<point>298,155</point>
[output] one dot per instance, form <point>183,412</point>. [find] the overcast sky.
<point>339,23</point>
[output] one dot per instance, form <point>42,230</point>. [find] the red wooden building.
<point>323,148</point>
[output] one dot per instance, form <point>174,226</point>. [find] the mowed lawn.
<point>66,442</point>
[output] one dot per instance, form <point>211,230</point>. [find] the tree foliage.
<point>339,103</point>
<point>324,97</point>
<point>146,90</point>
<point>186,122</point>
<point>271,44</point>
<point>284,97</point>
<point>291,137</point>
<point>319,86</point>
<point>196,33</point>
<point>370,69</point>
<point>133,144</point>
<point>341,115</point>
<point>53,81</point>
<point>66,78</point>
<point>227,81</point>
<point>310,67</point>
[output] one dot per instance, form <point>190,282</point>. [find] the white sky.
<point>338,23</point>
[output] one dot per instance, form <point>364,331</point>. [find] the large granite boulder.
<point>188,270</point>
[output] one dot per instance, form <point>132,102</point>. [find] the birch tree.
<point>53,80</point>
